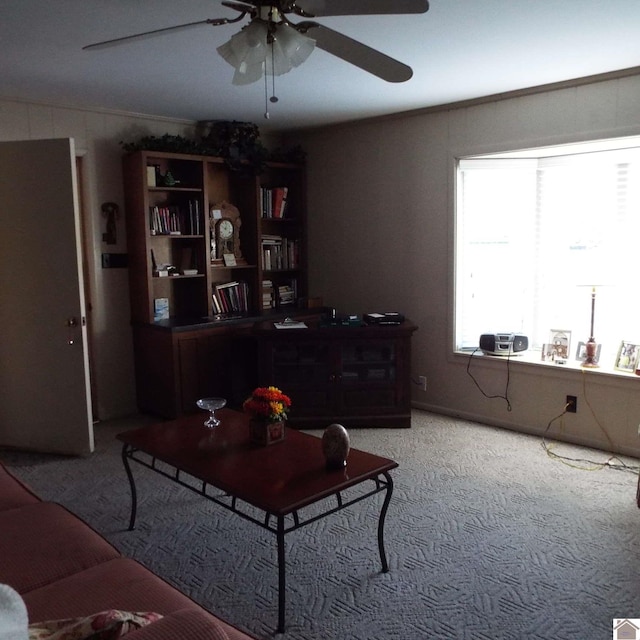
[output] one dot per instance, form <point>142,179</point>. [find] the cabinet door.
<point>368,376</point>
<point>305,371</point>
<point>216,364</point>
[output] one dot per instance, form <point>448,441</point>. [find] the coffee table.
<point>279,480</point>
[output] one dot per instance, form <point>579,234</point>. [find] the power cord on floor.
<point>612,462</point>
<point>504,397</point>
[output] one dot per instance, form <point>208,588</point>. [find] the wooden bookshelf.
<point>175,225</point>
<point>175,204</point>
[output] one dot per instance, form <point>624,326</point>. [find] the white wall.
<point>97,135</point>
<point>381,208</point>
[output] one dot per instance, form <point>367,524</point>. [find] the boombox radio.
<point>503,344</point>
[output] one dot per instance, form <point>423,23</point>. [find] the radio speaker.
<point>503,344</point>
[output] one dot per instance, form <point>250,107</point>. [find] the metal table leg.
<point>132,485</point>
<point>383,514</point>
<point>281,574</point>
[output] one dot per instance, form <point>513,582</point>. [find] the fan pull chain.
<point>266,92</point>
<point>274,98</point>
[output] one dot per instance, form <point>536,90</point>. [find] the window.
<point>536,231</point>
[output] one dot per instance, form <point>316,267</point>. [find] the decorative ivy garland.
<point>237,142</point>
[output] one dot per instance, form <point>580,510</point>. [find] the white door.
<point>45,401</point>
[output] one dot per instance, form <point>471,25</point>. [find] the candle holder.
<point>211,405</point>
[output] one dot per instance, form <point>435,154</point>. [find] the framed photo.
<point>559,343</point>
<point>581,352</point>
<point>627,358</point>
<point>548,353</point>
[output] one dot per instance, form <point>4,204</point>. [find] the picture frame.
<point>559,344</point>
<point>627,357</point>
<point>581,352</point>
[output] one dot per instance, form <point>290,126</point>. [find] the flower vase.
<point>263,433</point>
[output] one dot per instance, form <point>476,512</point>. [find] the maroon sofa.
<point>62,568</point>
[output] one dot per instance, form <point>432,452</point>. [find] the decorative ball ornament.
<point>335,446</point>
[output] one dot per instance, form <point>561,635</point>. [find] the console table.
<point>357,376</point>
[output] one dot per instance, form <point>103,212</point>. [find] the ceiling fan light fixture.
<point>255,49</point>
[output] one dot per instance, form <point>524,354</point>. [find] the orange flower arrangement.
<point>267,403</point>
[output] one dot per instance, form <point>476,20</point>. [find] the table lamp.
<point>591,346</point>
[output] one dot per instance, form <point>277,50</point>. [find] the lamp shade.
<point>246,52</point>
<point>290,49</point>
<point>253,51</point>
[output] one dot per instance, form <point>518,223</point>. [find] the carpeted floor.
<point>487,537</point>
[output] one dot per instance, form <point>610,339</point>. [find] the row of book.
<point>268,295</point>
<point>175,219</point>
<point>279,253</point>
<point>281,295</point>
<point>286,295</point>
<point>274,201</point>
<point>231,297</point>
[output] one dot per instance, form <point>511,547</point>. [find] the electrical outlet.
<point>572,404</point>
<point>422,381</point>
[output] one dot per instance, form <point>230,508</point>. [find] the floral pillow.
<point>106,625</point>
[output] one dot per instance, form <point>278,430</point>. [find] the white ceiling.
<point>459,49</point>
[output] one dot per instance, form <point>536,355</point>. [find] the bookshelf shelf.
<point>175,189</point>
<point>222,267</point>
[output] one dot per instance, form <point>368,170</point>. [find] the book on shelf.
<point>194,218</point>
<point>280,253</point>
<point>217,307</point>
<point>229,297</point>
<point>274,201</point>
<point>286,295</point>
<point>160,309</point>
<point>279,201</point>
<point>175,219</point>
<point>268,295</point>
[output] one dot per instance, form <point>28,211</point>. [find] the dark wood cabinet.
<point>357,376</point>
<point>176,367</point>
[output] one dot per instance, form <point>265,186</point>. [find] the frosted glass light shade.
<point>246,52</point>
<point>290,49</point>
<point>250,53</point>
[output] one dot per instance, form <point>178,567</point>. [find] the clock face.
<point>225,229</point>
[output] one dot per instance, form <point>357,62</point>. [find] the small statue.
<point>168,180</point>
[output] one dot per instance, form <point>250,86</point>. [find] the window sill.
<point>532,359</point>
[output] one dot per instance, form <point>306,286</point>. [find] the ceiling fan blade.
<point>246,8</point>
<point>356,53</point>
<point>159,32</point>
<point>318,8</point>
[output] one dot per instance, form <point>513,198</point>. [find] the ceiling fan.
<point>272,44</point>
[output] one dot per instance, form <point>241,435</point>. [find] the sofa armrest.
<point>187,624</point>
